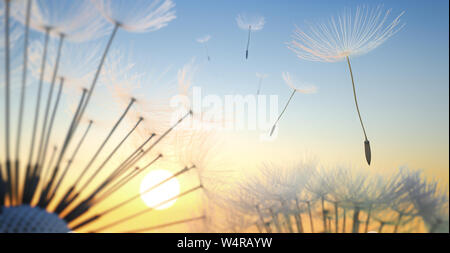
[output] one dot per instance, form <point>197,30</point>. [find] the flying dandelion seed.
<point>250,23</point>
<point>350,34</point>
<point>204,40</point>
<point>305,90</point>
<point>260,77</point>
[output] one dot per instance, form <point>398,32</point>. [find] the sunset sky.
<point>402,88</point>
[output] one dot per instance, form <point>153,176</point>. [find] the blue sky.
<point>402,85</point>
<point>417,56</point>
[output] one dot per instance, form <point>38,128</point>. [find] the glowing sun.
<point>161,193</point>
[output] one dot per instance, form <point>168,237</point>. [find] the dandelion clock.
<point>351,34</point>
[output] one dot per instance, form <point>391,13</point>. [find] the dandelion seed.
<point>80,24</point>
<point>250,23</point>
<point>47,134</point>
<point>305,90</point>
<point>260,77</point>
<point>350,34</point>
<point>204,40</point>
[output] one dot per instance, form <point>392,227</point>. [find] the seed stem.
<point>121,183</point>
<point>99,68</point>
<point>311,223</point>
<point>46,173</point>
<point>207,53</point>
<point>22,99</point>
<point>64,146</point>
<point>9,176</point>
<point>282,112</point>
<point>111,132</point>
<point>52,120</point>
<point>144,192</point>
<point>161,137</point>
<point>134,197</point>
<point>248,41</point>
<point>7,79</point>
<point>259,86</point>
<point>113,153</point>
<point>49,100</point>
<point>298,218</point>
<point>366,142</point>
<point>356,100</point>
<point>147,210</point>
<point>356,211</point>
<point>336,214</point>
<point>38,103</point>
<point>75,152</point>
<point>369,212</point>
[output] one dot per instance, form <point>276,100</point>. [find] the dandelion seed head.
<point>246,21</point>
<point>137,15</point>
<point>429,200</point>
<point>26,219</point>
<point>302,88</point>
<point>204,39</point>
<point>352,33</point>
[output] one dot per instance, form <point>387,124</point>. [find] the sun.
<point>161,193</point>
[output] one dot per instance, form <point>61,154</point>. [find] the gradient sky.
<point>402,85</point>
